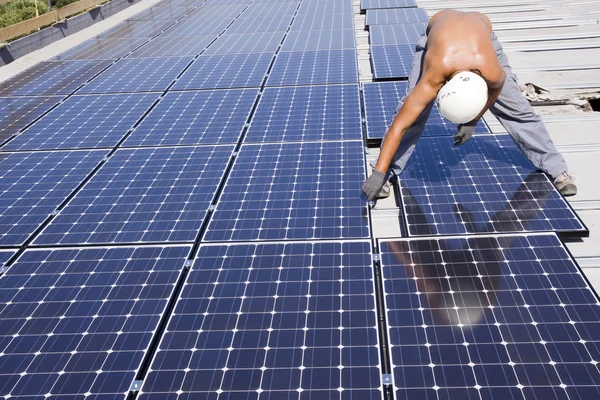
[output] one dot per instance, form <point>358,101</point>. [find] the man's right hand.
<point>373,185</point>
<point>465,132</point>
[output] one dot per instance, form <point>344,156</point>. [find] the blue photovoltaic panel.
<point>304,113</point>
<point>5,255</point>
<point>287,8</point>
<point>85,122</point>
<point>293,191</point>
<point>54,77</point>
<point>260,42</point>
<point>392,60</point>
<point>138,75</point>
<point>102,49</point>
<point>319,40</point>
<point>142,195</point>
<point>159,12</point>
<point>486,317</point>
<point>272,321</point>
<point>18,112</point>
<point>221,10</point>
<point>204,117</point>
<point>396,16</point>
<point>263,23</point>
<point>486,185</point>
<point>192,27</point>
<point>317,22</point>
<point>35,184</point>
<point>314,67</point>
<point>325,7</point>
<point>370,4</point>
<point>136,29</point>
<point>381,101</point>
<point>76,323</point>
<point>395,34</point>
<point>226,71</point>
<point>174,46</point>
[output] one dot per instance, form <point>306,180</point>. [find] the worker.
<point>460,65</point>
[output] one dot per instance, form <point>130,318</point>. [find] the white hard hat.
<point>462,98</point>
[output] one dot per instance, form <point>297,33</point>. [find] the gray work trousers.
<point>511,108</point>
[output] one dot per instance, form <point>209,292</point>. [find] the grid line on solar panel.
<point>52,77</point>
<point>371,4</point>
<point>84,122</point>
<point>274,320</point>
<point>136,29</point>
<point>314,67</point>
<point>262,23</point>
<point>77,323</point>
<point>18,112</point>
<point>392,60</point>
<point>317,22</point>
<point>142,196</point>
<point>208,12</point>
<point>272,9</point>
<point>395,33</point>
<point>484,186</point>
<point>222,71</point>
<point>293,191</point>
<point>203,117</point>
<point>325,7</point>
<point>304,113</point>
<point>102,49</point>
<point>329,39</point>
<point>258,42</point>
<point>497,316</point>
<point>169,46</point>
<point>396,16</point>
<point>192,27</point>
<point>138,75</point>
<point>35,184</point>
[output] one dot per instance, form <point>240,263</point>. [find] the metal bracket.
<point>386,379</point>
<point>3,269</point>
<point>55,213</point>
<point>375,257</point>
<point>188,263</point>
<point>136,385</point>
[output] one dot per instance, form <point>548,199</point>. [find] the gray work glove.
<point>465,132</point>
<point>373,185</point>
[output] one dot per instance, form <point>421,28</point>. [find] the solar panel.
<point>226,71</point>
<point>77,322</point>
<point>395,33</point>
<point>303,113</point>
<point>84,122</point>
<point>273,321</point>
<point>396,16</point>
<point>314,67</point>
<point>102,49</point>
<point>18,112</point>
<point>485,186</point>
<point>293,191</point>
<point>319,22</point>
<point>5,255</point>
<point>136,29</point>
<point>392,60</point>
<point>142,196</point>
<point>325,7</point>
<point>194,27</point>
<point>208,11</point>
<point>381,101</point>
<point>166,12</point>
<point>204,117</point>
<point>263,23</point>
<point>174,46</point>
<point>319,40</point>
<point>138,75</point>
<point>502,317</point>
<point>54,77</point>
<point>260,42</point>
<point>34,185</point>
<point>370,4</point>
<point>271,9</point>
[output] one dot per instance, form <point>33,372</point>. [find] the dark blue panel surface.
<point>226,71</point>
<point>189,27</point>
<point>317,22</point>
<point>485,185</point>
<point>370,4</point>
<point>85,122</point>
<point>54,77</point>
<point>34,184</point>
<point>381,101</point>
<point>314,67</point>
<point>325,7</point>
<point>293,191</point>
<point>508,317</point>
<point>18,112</point>
<point>259,42</point>
<point>138,75</point>
<point>395,33</point>
<point>392,60</point>
<point>286,8</point>
<point>396,16</point>
<point>76,323</point>
<point>174,46</point>
<point>319,40</point>
<point>144,195</point>
<point>304,113</point>
<point>272,321</point>
<point>262,23</point>
<point>102,49</point>
<point>204,117</point>
<point>5,255</point>
<point>136,29</point>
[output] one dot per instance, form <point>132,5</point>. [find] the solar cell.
<point>226,71</point>
<point>102,49</point>
<point>271,9</point>
<point>76,323</point>
<point>174,46</point>
<point>325,7</point>
<point>5,255</point>
<point>259,42</point>
<point>84,122</point>
<point>502,317</point>
<point>136,29</point>
<point>395,33</point>
<point>194,27</point>
<point>396,16</point>
<point>18,112</point>
<point>370,4</point>
<point>54,77</point>
<point>486,185</point>
<point>35,184</point>
<point>319,40</point>
<point>303,113</point>
<point>166,12</point>
<point>318,22</point>
<point>314,67</point>
<point>142,195</point>
<point>204,117</point>
<point>138,75</point>
<point>262,23</point>
<point>392,60</point>
<point>273,321</point>
<point>293,191</point>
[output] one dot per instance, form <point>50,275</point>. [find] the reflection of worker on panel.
<point>460,63</point>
